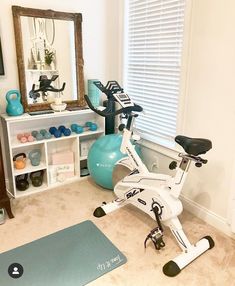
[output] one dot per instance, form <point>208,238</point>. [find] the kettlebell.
<point>22,183</point>
<point>14,106</point>
<point>37,178</point>
<point>35,157</point>
<point>19,161</point>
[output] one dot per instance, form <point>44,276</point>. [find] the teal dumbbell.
<point>42,134</point>
<point>77,128</point>
<point>91,126</point>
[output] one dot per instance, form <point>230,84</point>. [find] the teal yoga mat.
<point>74,256</point>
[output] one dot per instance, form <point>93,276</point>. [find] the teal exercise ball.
<point>102,157</point>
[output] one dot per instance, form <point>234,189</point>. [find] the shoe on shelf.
<point>2,216</point>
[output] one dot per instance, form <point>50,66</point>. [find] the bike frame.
<point>175,183</point>
<point>155,194</point>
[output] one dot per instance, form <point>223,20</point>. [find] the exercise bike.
<point>156,194</point>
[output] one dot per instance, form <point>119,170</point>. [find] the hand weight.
<point>35,157</point>
<point>56,132</point>
<point>37,178</point>
<point>19,161</point>
<point>22,183</point>
<point>64,130</point>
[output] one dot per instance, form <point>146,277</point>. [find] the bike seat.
<point>194,146</point>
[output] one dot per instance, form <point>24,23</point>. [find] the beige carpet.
<point>44,213</point>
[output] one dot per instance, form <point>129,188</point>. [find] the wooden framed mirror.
<point>49,45</point>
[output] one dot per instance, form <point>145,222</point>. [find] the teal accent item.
<point>35,157</point>
<point>39,137</point>
<point>67,132</point>
<point>14,106</point>
<point>102,157</point>
<point>47,135</point>
<point>74,256</point>
<point>43,132</point>
<point>34,133</point>
<point>93,92</point>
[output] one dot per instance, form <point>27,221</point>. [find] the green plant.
<point>49,56</point>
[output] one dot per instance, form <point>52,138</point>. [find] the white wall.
<point>100,38</point>
<point>210,109</point>
<point>211,100</point>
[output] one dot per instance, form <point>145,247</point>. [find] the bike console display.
<point>123,99</point>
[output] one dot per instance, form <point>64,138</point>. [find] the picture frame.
<point>2,72</point>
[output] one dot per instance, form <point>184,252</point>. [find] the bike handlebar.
<point>107,111</point>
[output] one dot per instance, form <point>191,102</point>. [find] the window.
<point>152,69</point>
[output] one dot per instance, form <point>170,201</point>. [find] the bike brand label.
<point>133,192</point>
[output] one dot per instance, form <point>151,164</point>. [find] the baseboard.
<point>208,216</point>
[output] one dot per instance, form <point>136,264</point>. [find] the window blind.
<point>154,35</point>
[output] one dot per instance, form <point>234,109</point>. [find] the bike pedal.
<point>156,237</point>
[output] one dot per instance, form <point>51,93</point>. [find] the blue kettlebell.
<point>35,157</point>
<point>14,106</point>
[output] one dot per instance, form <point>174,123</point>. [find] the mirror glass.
<point>49,54</point>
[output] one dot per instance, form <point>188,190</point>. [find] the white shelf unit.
<point>11,126</point>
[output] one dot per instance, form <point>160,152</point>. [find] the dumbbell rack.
<point>11,126</point>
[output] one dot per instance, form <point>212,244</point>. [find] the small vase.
<point>93,92</point>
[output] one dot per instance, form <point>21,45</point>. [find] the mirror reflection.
<point>49,58</point>
<point>48,47</point>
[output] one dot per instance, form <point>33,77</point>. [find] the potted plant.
<point>49,57</point>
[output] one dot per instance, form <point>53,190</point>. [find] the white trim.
<point>125,42</point>
<point>185,67</point>
<point>206,215</point>
<point>231,201</point>
<point>121,34</point>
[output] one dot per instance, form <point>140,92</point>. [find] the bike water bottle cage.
<point>194,146</point>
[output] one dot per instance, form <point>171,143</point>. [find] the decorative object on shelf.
<point>88,126</point>
<point>93,92</point>
<point>19,161</point>
<point>59,106</point>
<point>22,183</point>
<point>14,106</point>
<point>62,166</point>
<point>37,178</point>
<point>25,137</point>
<point>35,157</point>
